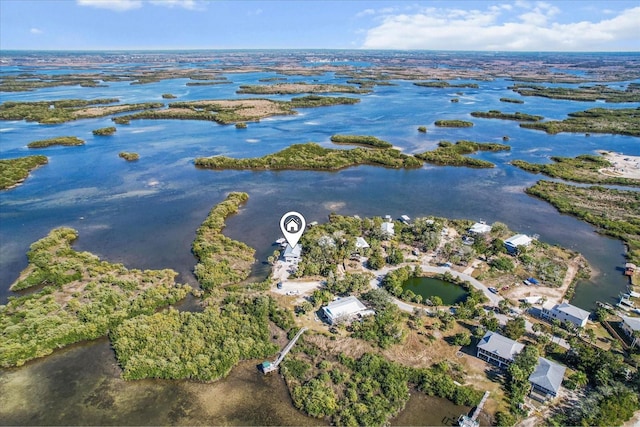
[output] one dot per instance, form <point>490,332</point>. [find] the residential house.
<point>546,379</point>
<point>345,309</point>
<point>631,325</point>
<point>513,242</point>
<point>387,229</point>
<point>292,255</point>
<point>497,349</point>
<point>565,312</point>
<point>361,243</point>
<point>480,228</point>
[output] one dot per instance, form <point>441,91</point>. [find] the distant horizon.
<point>430,25</point>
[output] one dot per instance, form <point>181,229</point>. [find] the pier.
<point>272,366</point>
<point>465,421</point>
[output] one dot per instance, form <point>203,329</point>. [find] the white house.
<point>345,309</point>
<point>480,228</point>
<point>499,350</point>
<point>546,379</point>
<point>565,312</point>
<point>387,229</point>
<point>631,325</point>
<point>361,243</point>
<point>292,254</point>
<point>513,242</point>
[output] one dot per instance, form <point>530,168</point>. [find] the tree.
<point>491,323</point>
<point>462,339</point>
<point>515,328</point>
<point>436,301</point>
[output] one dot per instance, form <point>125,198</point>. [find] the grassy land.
<point>615,212</point>
<point>68,141</point>
<point>448,154</point>
<point>624,121</point>
<point>583,93</point>
<point>311,156</point>
<point>584,168</point>
<point>82,298</point>
<point>221,260</point>
<point>294,88</point>
<point>65,110</point>
<point>443,85</point>
<point>128,156</point>
<point>512,100</point>
<point>496,114</point>
<point>14,171</point>
<point>453,123</point>
<point>105,131</point>
<point>363,140</point>
<point>236,110</point>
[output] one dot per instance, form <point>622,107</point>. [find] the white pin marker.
<point>292,225</point>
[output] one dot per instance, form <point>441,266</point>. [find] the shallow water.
<point>429,287</point>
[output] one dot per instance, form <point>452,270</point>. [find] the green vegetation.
<point>583,93</point>
<point>386,327</point>
<point>15,171</point>
<point>512,100</point>
<point>168,96</point>
<point>422,129</point>
<point>294,88</point>
<point>105,131</point>
<point>221,260</point>
<point>364,140</point>
<point>312,101</point>
<point>497,114</point>
<point>615,212</point>
<point>215,83</point>
<point>623,121</point>
<point>128,156</point>
<point>65,110</point>
<point>241,125</point>
<point>584,168</point>
<point>442,84</point>
<point>518,373</point>
<point>61,140</point>
<point>311,156</point>
<point>367,391</point>
<point>453,123</point>
<point>82,298</point>
<point>200,346</point>
<point>448,154</point>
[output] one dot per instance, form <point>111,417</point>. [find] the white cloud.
<point>36,31</point>
<point>185,4</point>
<point>533,30</point>
<point>117,5</point>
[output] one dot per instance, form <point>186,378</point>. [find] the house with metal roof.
<point>345,309</point>
<point>631,327</point>
<point>388,229</point>
<point>497,349</point>
<point>513,242</point>
<point>546,379</point>
<point>361,243</point>
<point>292,254</point>
<point>480,228</point>
<point>565,312</point>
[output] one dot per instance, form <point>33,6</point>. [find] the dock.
<point>267,366</point>
<point>465,421</point>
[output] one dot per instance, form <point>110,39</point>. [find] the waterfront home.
<point>480,228</point>
<point>546,379</point>
<point>497,349</point>
<point>387,229</point>
<point>631,327</point>
<point>513,242</point>
<point>345,309</point>
<point>361,243</point>
<point>565,312</point>
<point>292,255</point>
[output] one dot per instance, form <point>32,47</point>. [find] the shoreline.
<point>623,166</point>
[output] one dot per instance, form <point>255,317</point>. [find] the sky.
<point>508,25</point>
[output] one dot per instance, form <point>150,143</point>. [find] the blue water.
<point>144,214</point>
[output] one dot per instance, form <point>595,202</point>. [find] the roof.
<point>518,240</point>
<point>548,375</point>
<point>296,251</point>
<point>572,310</point>
<point>480,228</point>
<point>495,343</point>
<point>387,227</point>
<point>632,322</point>
<point>361,243</point>
<point>345,307</point>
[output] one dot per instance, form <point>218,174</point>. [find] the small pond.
<point>430,286</point>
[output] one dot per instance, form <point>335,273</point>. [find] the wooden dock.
<point>465,421</point>
<point>272,366</point>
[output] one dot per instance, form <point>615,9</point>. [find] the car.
<point>493,290</point>
<point>279,285</point>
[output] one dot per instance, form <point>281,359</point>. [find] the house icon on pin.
<point>292,225</point>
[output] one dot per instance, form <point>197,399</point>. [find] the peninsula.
<point>14,171</point>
